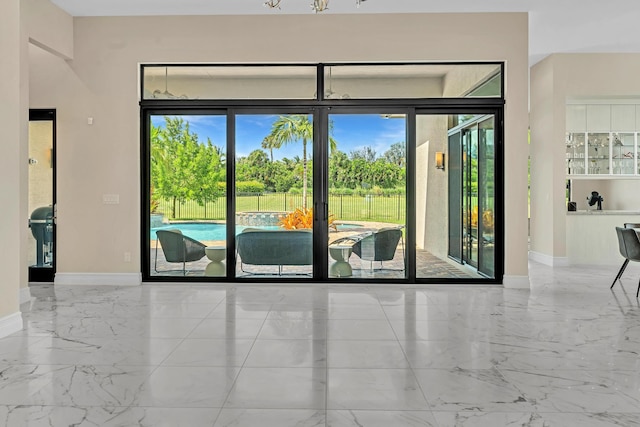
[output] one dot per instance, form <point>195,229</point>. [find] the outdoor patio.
<point>429,266</point>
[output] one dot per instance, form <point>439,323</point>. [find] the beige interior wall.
<point>48,26</point>
<point>102,82</point>
<point>559,78</point>
<point>543,121</point>
<point>620,194</point>
<point>10,116</point>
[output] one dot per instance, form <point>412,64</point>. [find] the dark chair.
<point>629,246</point>
<point>626,261</point>
<point>380,246</point>
<point>178,248</point>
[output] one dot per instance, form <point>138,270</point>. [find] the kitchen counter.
<point>592,238</point>
<point>603,212</point>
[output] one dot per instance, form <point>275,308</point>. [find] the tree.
<point>396,154</point>
<point>290,129</point>
<point>256,166</point>
<point>181,167</point>
<point>269,144</point>
<point>367,154</point>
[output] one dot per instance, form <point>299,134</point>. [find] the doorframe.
<point>45,274</point>
<point>320,107</point>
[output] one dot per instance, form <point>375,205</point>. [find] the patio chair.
<point>380,246</point>
<point>629,246</point>
<point>178,248</point>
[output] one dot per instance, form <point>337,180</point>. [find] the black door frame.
<point>320,109</point>
<point>47,274</point>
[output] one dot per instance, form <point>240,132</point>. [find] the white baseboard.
<point>109,279</point>
<point>25,295</point>
<point>548,259</point>
<point>10,324</point>
<point>516,282</point>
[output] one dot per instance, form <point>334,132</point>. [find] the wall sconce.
<point>439,160</point>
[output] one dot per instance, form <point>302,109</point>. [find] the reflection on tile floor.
<point>563,354</point>
<point>427,266</point>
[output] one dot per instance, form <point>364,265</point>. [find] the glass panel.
<point>40,244</point>
<point>470,188</point>
<point>489,88</point>
<point>486,197</point>
<point>229,82</point>
<point>575,153</point>
<point>623,146</point>
<point>455,206</point>
<point>274,213</point>
<point>598,153</point>
<point>367,195</point>
<point>412,81</point>
<point>455,191</point>
<point>188,195</point>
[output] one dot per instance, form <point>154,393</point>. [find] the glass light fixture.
<point>316,5</point>
<point>439,160</point>
<point>319,5</point>
<point>273,4</point>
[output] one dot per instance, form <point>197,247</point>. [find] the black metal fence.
<point>390,208</point>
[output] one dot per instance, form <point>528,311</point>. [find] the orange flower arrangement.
<point>487,219</point>
<point>301,219</point>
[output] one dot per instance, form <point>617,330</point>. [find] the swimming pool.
<point>205,231</point>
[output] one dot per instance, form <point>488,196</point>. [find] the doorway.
<point>42,195</point>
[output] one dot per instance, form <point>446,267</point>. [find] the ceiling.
<point>555,26</point>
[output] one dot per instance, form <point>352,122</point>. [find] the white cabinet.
<point>602,140</point>
<point>599,118</point>
<point>623,118</point>
<point>576,118</point>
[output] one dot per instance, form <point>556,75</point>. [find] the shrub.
<point>341,191</point>
<point>249,187</point>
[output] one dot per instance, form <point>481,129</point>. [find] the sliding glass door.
<point>274,198</point>
<point>186,227</point>
<point>455,201</point>
<point>472,198</point>
<point>367,195</point>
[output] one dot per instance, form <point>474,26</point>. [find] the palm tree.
<point>268,144</point>
<point>293,128</point>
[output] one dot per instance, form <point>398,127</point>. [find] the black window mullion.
<point>410,200</point>
<point>320,194</point>
<point>231,194</point>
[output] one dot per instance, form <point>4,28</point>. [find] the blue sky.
<point>351,132</point>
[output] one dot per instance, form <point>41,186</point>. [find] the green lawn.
<point>390,209</point>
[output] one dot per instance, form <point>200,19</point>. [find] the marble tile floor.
<point>565,353</point>
<point>427,266</point>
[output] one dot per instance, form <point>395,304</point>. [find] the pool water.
<point>204,231</point>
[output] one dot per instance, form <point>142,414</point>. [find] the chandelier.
<point>316,5</point>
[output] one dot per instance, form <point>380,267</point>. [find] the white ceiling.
<point>554,25</point>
